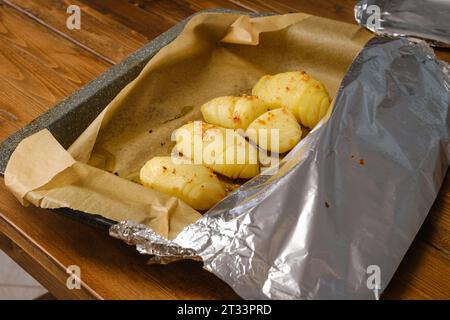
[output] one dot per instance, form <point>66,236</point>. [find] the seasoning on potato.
<point>222,150</point>
<point>194,184</point>
<point>303,95</point>
<point>233,112</point>
<point>276,130</point>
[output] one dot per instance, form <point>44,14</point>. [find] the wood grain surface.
<point>37,69</point>
<point>41,62</point>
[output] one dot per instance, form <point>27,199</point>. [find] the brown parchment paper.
<point>215,55</point>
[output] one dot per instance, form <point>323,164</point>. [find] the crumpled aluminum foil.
<point>424,19</point>
<point>352,194</point>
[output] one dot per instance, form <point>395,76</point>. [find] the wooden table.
<point>41,62</point>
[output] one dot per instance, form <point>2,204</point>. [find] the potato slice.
<point>194,184</point>
<point>277,124</point>
<point>233,112</point>
<point>303,95</point>
<point>222,150</point>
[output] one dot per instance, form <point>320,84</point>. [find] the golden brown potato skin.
<point>288,131</point>
<point>234,159</point>
<point>233,112</point>
<point>194,184</point>
<point>301,94</point>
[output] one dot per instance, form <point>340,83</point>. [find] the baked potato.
<point>304,96</point>
<point>194,184</point>
<point>276,130</point>
<point>222,150</point>
<point>233,112</point>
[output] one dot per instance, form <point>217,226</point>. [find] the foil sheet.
<point>147,241</point>
<point>425,19</point>
<point>351,195</point>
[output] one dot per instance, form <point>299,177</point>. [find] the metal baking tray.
<point>70,117</point>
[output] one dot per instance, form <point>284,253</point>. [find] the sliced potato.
<point>303,95</point>
<point>194,184</point>
<point>222,150</point>
<point>279,124</point>
<point>233,112</point>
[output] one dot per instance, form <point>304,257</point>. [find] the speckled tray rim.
<point>70,117</point>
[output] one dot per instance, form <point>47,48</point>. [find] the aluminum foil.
<point>425,19</point>
<point>353,194</point>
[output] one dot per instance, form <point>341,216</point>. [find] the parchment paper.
<point>215,55</point>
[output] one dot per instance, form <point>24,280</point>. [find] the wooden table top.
<point>41,62</point>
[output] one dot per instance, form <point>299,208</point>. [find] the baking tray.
<point>70,117</point>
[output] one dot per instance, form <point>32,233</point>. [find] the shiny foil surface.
<point>425,19</point>
<point>352,195</point>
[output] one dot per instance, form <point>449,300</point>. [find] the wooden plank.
<point>46,296</point>
<point>436,228</point>
<point>443,54</point>
<point>109,268</point>
<point>423,274</point>
<point>37,263</point>
<point>151,18</point>
<point>37,69</point>
<point>398,290</point>
<point>109,39</point>
<point>113,30</point>
<point>333,9</point>
<point>177,10</point>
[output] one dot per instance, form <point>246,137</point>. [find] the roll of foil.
<point>425,19</point>
<point>336,219</point>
